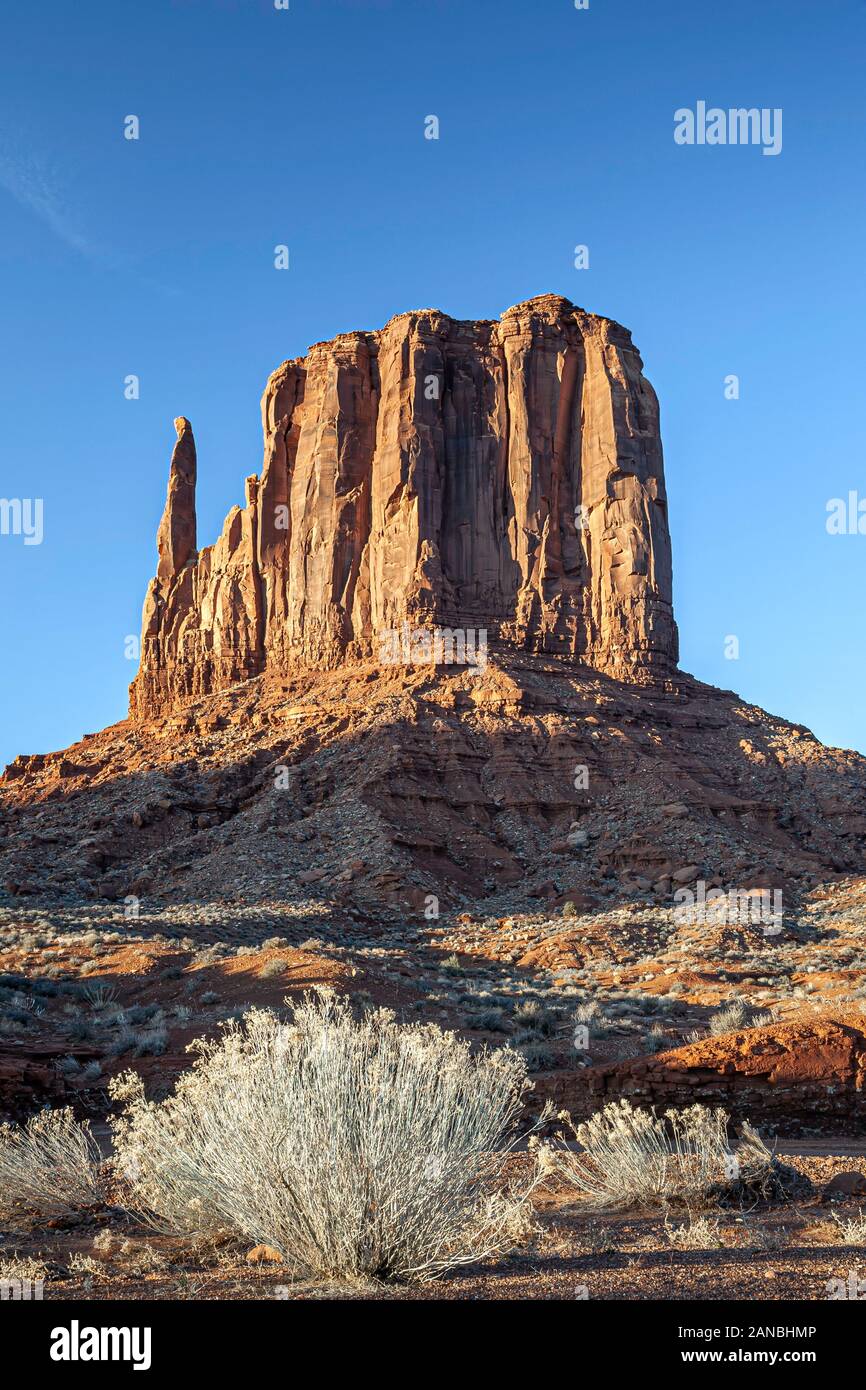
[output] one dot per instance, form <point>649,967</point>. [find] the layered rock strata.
<point>498,477</point>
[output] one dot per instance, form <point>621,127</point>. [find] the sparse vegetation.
<point>48,1166</point>
<point>99,996</point>
<point>489,1020</point>
<point>655,1039</point>
<point>87,1267</point>
<point>355,1149</point>
<point>698,1233</point>
<point>635,1158</point>
<point>539,1056</point>
<point>272,968</point>
<point>25,1268</point>
<point>534,1018</point>
<point>615,988</point>
<point>737,1014</point>
<point>852,1230</point>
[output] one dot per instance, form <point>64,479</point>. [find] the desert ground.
<point>89,994</point>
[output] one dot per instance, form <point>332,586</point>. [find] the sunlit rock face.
<point>503,477</point>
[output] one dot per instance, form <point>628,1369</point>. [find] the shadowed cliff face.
<point>504,477</point>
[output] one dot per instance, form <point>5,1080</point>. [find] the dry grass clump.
<point>852,1230</point>
<point>636,1158</point>
<point>48,1166</point>
<point>736,1015</point>
<point>272,968</point>
<point>25,1270</point>
<point>698,1233</point>
<point>357,1149</point>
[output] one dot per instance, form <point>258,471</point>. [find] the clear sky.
<point>259,126</point>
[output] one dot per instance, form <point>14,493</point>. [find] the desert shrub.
<point>728,1018</point>
<point>655,1039</point>
<point>588,1012</point>
<point>698,1233</point>
<point>17,1268</point>
<point>81,1031</point>
<point>636,1158</point>
<point>271,968</point>
<point>490,1020</point>
<point>100,995</point>
<point>85,1265</point>
<point>852,1230</point>
<point>140,1013</point>
<point>11,1026</point>
<point>534,1018</point>
<point>737,1014</point>
<point>589,1016</point>
<point>50,1165</point>
<point>357,1149</point>
<point>150,1042</point>
<point>538,1055</point>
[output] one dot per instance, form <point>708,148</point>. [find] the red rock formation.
<point>810,1072</point>
<point>29,1080</point>
<point>477,475</point>
<point>175,539</point>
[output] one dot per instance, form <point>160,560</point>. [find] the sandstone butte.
<point>498,477</point>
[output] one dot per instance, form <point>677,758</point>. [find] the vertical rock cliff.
<point>500,476</point>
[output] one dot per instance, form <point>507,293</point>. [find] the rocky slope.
<point>503,478</point>
<point>528,781</point>
<point>498,478</point>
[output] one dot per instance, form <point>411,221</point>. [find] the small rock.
<point>264,1254</point>
<point>688,874</point>
<point>847,1184</point>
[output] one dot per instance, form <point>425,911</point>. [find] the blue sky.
<point>306,127</point>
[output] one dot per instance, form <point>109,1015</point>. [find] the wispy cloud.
<point>36,187</point>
